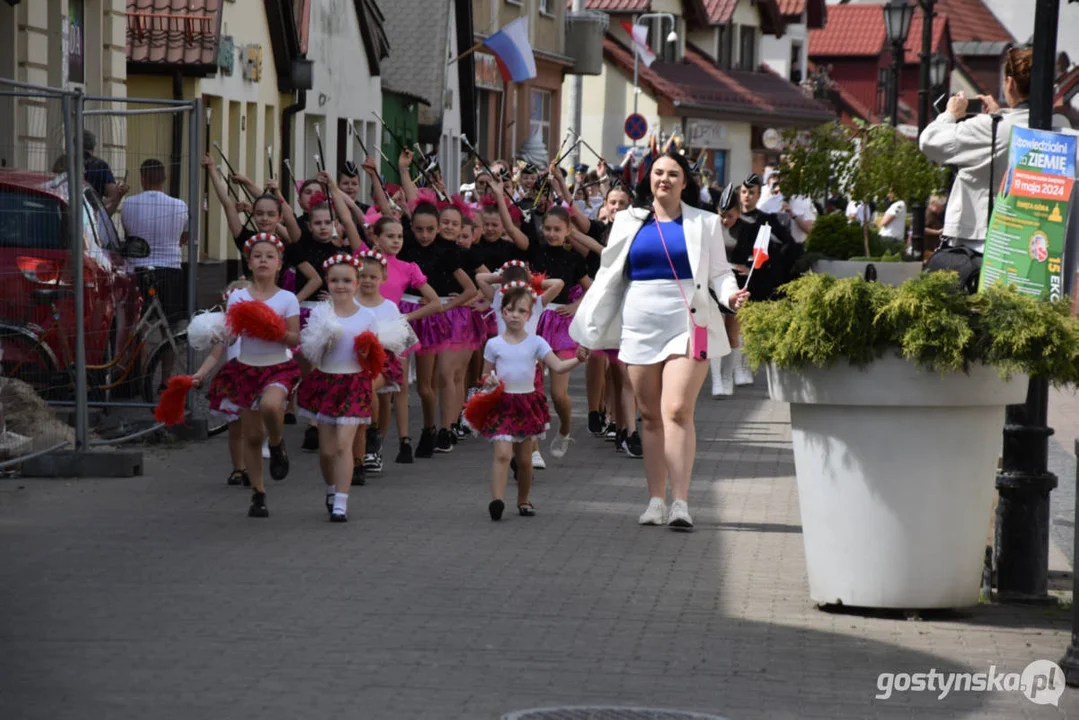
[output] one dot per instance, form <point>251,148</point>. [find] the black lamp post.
<point>925,70</point>
<point>897,16</point>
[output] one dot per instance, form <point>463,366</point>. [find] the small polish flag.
<point>639,35</point>
<point>760,247</point>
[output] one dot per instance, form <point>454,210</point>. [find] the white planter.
<point>895,472</point>
<point>888,273</point>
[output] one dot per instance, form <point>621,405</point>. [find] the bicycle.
<point>28,357</point>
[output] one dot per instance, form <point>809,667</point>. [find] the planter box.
<point>888,273</point>
<point>895,471</point>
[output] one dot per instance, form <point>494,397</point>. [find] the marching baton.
<point>396,139</point>
<point>427,173</point>
<point>526,214</point>
<point>269,160</point>
<point>292,179</point>
<point>558,161</point>
<point>356,135</point>
<point>322,168</point>
<point>235,197</point>
<point>232,171</point>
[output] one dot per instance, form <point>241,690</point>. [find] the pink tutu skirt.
<point>554,328</point>
<point>335,399</point>
<point>611,355</point>
<point>518,418</point>
<point>433,330</point>
<point>393,373</point>
<point>480,327</point>
<point>490,323</point>
<point>243,388</point>
<point>216,394</point>
<point>465,330</point>
<point>288,280</point>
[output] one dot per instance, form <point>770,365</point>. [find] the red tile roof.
<point>858,31</point>
<point>972,20</point>
<point>720,11</point>
<point>615,5</point>
<point>698,82</point>
<point>173,31</point>
<point>792,7</point>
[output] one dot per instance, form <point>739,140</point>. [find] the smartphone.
<point>975,106</point>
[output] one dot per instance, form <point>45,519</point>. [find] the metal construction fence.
<point>96,284</point>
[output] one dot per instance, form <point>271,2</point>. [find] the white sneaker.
<point>679,518</point>
<point>560,445</point>
<point>266,449</point>
<point>722,376</point>
<point>656,514</point>
<point>538,462</point>
<point>742,374</point>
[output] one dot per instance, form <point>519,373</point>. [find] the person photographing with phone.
<point>652,299</point>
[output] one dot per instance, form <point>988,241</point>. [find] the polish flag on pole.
<point>760,249</point>
<point>639,35</point>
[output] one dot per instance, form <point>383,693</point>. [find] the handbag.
<point>698,341</point>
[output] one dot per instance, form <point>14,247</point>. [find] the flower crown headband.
<point>519,285</point>
<point>342,259</point>
<point>371,255</point>
<point>263,238</point>
<point>510,264</point>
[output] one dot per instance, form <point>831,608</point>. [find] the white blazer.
<point>597,324</point>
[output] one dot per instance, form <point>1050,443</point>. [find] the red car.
<point>35,274</point>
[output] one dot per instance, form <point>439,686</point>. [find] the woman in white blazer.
<point>659,324</point>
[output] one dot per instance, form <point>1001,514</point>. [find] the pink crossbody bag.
<point>698,341</point>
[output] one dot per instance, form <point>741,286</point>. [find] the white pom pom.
<point>397,335</point>
<point>206,329</point>
<point>322,330</point>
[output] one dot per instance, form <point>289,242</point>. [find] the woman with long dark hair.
<point>652,300</point>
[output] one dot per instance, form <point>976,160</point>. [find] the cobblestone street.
<point>157,597</point>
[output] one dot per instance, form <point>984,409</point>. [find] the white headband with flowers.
<point>263,238</point>
<point>518,285</point>
<point>341,259</point>
<point>372,255</point>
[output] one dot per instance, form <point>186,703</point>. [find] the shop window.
<point>541,116</point>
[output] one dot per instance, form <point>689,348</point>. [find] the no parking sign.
<point>636,126</point>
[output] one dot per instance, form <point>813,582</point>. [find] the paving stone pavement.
<point>157,596</point>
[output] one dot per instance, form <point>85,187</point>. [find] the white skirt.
<point>654,321</point>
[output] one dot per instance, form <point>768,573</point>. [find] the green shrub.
<point>928,320</point>
<point>834,238</point>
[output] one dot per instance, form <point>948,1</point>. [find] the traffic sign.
<point>636,126</point>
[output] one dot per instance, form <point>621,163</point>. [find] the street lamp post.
<point>897,15</point>
<point>917,210</point>
<point>671,37</point>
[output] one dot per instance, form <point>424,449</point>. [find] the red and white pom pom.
<point>536,281</point>
<point>173,402</point>
<point>370,353</point>
<point>255,319</point>
<point>480,405</point>
<point>322,330</point>
<point>207,329</point>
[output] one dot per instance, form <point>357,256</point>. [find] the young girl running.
<point>216,394</point>
<point>258,385</point>
<point>401,276</point>
<point>337,392</point>
<point>554,258</point>
<point>373,273</point>
<point>517,414</point>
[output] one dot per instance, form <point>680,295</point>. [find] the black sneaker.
<point>310,439</point>
<point>611,432</point>
<point>444,443</point>
<point>278,461</point>
<point>372,463</point>
<point>339,517</point>
<point>620,441</point>
<point>239,477</point>
<point>426,448</point>
<point>596,424</point>
<point>258,507</point>
<point>631,445</point>
<point>374,440</point>
<point>359,475</point>
<point>404,452</point>
<point>290,418</point>
<point>495,509</point>
<point>461,431</point>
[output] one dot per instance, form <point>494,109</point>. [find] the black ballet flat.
<point>495,508</point>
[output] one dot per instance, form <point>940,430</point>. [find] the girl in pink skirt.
<point>555,259</point>
<point>341,343</point>
<point>256,385</point>
<point>216,394</point>
<point>420,309</point>
<point>373,274</point>
<point>511,414</point>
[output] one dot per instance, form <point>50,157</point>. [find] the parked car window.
<point>106,231</point>
<point>31,221</point>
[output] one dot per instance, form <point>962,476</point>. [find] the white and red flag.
<point>639,35</point>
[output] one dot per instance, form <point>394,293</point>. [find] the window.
<point>541,116</point>
<point>719,165</point>
<point>106,231</point>
<point>797,71</point>
<point>725,45</point>
<point>545,8</point>
<point>32,221</point>
<point>748,54</point>
<point>658,30</point>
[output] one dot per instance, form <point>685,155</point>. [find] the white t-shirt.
<point>897,228</point>
<point>858,212</point>
<point>263,352</point>
<point>530,325</point>
<point>801,207</point>
<point>341,357</point>
<point>234,349</point>
<point>160,220</point>
<point>515,364</point>
<point>385,312</point>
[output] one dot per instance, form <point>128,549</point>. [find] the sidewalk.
<point>157,597</point>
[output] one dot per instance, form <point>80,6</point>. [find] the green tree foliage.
<point>928,320</point>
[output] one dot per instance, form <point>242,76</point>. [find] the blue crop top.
<point>647,259</point>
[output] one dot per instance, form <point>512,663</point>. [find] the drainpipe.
<point>176,158</point>
<point>287,115</point>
